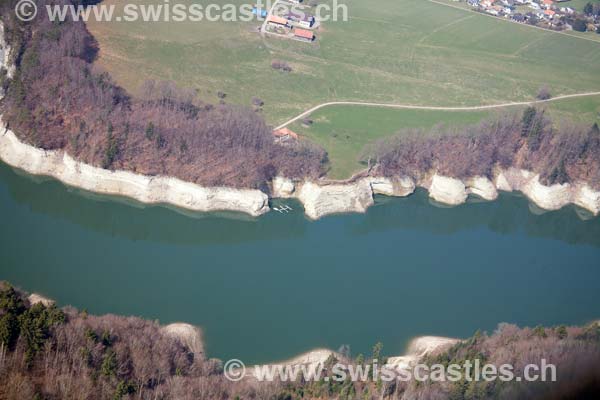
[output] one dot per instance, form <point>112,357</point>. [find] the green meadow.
<point>345,130</point>
<point>392,51</point>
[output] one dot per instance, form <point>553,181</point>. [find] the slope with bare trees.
<point>52,353</point>
<point>58,100</point>
<point>569,153</point>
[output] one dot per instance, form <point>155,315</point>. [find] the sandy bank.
<point>419,348</point>
<point>145,189</point>
<point>35,298</point>
<point>189,335</point>
<point>311,361</point>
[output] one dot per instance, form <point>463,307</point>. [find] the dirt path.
<point>433,108</point>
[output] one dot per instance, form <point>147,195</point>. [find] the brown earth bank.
<point>64,353</point>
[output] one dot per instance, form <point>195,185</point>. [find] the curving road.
<point>433,108</point>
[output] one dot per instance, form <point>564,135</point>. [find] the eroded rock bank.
<point>314,359</point>
<point>145,189</point>
<point>320,200</point>
<point>419,348</point>
<point>5,56</point>
<point>188,335</point>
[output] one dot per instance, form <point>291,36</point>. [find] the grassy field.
<point>345,130</point>
<point>393,51</point>
<point>401,51</point>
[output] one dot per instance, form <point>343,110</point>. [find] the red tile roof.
<point>285,132</point>
<point>277,20</point>
<point>303,33</point>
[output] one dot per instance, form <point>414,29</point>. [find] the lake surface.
<point>269,288</point>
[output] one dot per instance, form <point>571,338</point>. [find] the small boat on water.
<point>284,209</point>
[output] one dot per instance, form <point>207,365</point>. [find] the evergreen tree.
<point>9,330</point>
<point>109,364</point>
<point>527,120</point>
<point>561,331</point>
<point>150,130</point>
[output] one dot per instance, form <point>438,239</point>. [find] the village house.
<point>276,20</point>
<point>304,34</point>
<point>284,135</point>
<point>548,4</point>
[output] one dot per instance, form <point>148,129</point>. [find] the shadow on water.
<point>128,218</point>
<point>510,213</point>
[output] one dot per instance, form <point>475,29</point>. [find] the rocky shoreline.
<point>319,199</point>
<point>417,350</point>
<point>357,196</point>
<point>145,189</point>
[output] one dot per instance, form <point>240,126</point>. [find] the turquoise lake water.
<point>268,288</point>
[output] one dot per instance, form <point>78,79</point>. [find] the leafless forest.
<point>560,153</point>
<point>50,353</point>
<point>58,100</point>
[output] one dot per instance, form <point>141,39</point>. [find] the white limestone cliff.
<point>551,197</point>
<point>324,200</point>
<point>283,188</point>
<point>5,55</point>
<point>146,189</point>
<point>482,187</point>
<point>397,187</point>
<point>447,190</point>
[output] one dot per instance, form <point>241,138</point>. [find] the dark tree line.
<point>50,353</point>
<point>560,153</point>
<point>59,100</point>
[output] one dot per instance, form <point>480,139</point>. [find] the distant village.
<point>549,14</point>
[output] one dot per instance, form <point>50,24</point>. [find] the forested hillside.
<point>58,100</point>
<point>560,152</point>
<point>52,353</point>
